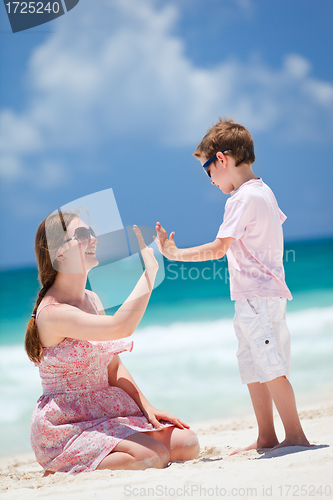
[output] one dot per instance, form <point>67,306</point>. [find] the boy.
<point>251,236</point>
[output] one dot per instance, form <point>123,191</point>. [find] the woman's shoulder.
<point>48,300</point>
<point>45,322</point>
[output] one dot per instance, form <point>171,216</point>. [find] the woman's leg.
<point>137,452</point>
<point>182,444</point>
<point>156,449</point>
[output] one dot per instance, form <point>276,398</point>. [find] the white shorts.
<point>263,339</point>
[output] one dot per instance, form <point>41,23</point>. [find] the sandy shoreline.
<point>287,472</point>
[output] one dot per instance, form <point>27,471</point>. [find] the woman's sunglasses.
<point>213,158</point>
<point>82,234</point>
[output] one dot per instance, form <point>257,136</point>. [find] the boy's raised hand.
<point>166,245</point>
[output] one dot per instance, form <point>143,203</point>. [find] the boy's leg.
<point>284,399</point>
<point>263,408</point>
<point>259,393</point>
<point>264,338</point>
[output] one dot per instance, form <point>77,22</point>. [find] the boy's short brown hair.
<point>227,134</point>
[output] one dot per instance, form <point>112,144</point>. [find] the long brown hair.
<point>49,237</point>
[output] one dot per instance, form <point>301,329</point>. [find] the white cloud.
<point>322,92</point>
<point>10,167</point>
<point>118,69</point>
<point>245,5</point>
<point>51,173</point>
<point>17,134</point>
<point>297,66</point>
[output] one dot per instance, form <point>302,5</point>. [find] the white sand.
<point>286,473</point>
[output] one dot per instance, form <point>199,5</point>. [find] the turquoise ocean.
<point>184,349</point>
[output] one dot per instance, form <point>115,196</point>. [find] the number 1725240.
<point>32,7</point>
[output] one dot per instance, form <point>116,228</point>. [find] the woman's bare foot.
<point>47,473</point>
<point>259,444</point>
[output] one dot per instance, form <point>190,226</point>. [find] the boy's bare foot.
<point>256,445</point>
<point>296,441</point>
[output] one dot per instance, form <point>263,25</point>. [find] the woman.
<point>92,415</point>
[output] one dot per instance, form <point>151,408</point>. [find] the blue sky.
<point>117,94</point>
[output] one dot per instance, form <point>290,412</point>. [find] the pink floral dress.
<point>80,418</point>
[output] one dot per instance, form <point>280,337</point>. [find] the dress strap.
<point>91,296</point>
<point>45,305</point>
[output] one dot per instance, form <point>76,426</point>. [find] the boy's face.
<point>219,172</point>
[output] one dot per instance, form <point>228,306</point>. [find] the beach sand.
<point>285,473</point>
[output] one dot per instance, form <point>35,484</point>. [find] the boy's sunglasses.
<point>213,158</point>
<point>82,234</point>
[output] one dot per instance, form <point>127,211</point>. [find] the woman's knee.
<point>191,446</point>
<point>185,445</point>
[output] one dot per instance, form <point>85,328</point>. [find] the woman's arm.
<point>119,376</point>
<point>61,321</point>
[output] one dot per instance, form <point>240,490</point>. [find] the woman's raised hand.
<point>151,263</point>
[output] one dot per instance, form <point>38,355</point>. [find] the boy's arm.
<point>210,251</point>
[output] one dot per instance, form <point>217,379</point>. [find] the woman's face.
<point>78,254</point>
